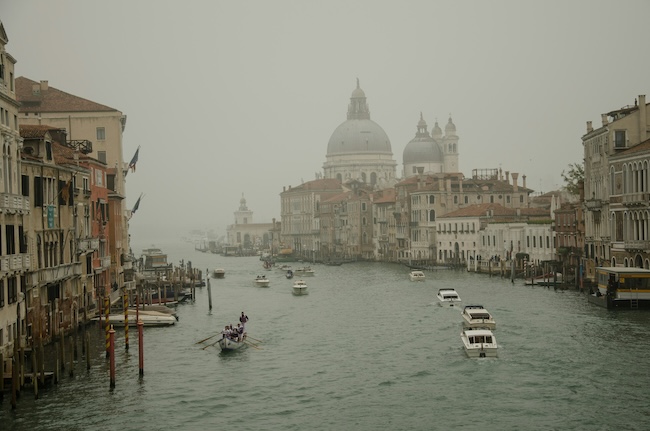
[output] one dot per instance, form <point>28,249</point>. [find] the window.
<point>619,139</point>
<point>101,134</point>
<point>101,156</point>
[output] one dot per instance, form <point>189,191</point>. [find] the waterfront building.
<point>385,225</point>
<point>568,231</point>
<point>300,209</point>
<point>244,236</point>
<point>359,149</point>
<point>15,259</point>
<point>614,187</point>
<point>85,120</point>
<point>54,288</point>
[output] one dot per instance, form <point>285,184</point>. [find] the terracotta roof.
<point>386,196</point>
<point>324,184</point>
<point>52,99</point>
<point>642,147</point>
<point>30,131</point>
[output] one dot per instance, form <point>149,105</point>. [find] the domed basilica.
<point>359,149</point>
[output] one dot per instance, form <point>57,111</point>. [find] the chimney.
<point>507,177</point>
<point>643,123</point>
<point>515,186</point>
<point>590,128</point>
<point>44,86</point>
<point>523,179</point>
<point>603,118</point>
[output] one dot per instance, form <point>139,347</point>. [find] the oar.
<point>210,345</point>
<point>259,341</point>
<point>248,343</point>
<point>206,339</point>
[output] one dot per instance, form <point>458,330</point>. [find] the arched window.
<point>432,215</point>
<point>363,177</point>
<point>373,178</point>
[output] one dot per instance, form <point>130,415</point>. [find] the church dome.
<point>358,136</point>
<point>450,128</point>
<point>436,132</point>
<point>422,148</point>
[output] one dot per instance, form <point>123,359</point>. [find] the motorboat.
<point>448,298</point>
<point>219,273</point>
<point>299,287</point>
<point>262,281</point>
<point>284,268</point>
<point>476,316</point>
<point>479,343</point>
<point>305,270</point>
<point>416,276</point>
<point>289,274</point>
<point>148,318</point>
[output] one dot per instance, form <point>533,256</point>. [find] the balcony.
<point>593,204</point>
<point>636,199</point>
<point>88,244</point>
<point>57,273</point>
<point>14,203</point>
<point>15,263</point>
<point>637,245</point>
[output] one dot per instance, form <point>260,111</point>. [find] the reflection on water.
<point>367,349</point>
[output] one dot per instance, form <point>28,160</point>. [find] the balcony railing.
<point>10,202</point>
<point>636,199</point>
<point>593,204</point>
<point>637,245</point>
<point>15,263</point>
<point>57,273</point>
<point>88,244</point>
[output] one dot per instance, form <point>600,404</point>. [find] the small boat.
<point>148,318</point>
<point>416,276</point>
<point>228,344</point>
<point>333,263</point>
<point>476,316</point>
<point>479,343</point>
<point>289,274</point>
<point>305,270</point>
<point>262,281</point>
<point>267,265</point>
<point>284,268</point>
<point>550,279</point>
<point>219,273</point>
<point>299,287</point>
<point>448,298</point>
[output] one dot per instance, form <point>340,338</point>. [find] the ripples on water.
<point>366,349</point>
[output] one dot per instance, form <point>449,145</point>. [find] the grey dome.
<point>450,128</point>
<point>359,136</point>
<point>422,150</point>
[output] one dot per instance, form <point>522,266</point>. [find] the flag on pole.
<point>133,161</point>
<point>136,206</point>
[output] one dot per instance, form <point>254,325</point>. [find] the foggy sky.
<point>228,98</point>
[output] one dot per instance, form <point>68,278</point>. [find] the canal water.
<point>366,349</point>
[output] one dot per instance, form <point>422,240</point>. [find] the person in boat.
<point>243,319</point>
<point>240,332</point>
<point>226,332</point>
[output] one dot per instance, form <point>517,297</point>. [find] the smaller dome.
<point>450,127</point>
<point>436,132</point>
<point>357,93</point>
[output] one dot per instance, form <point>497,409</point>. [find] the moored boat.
<point>476,316</point>
<point>479,343</point>
<point>448,298</point>
<point>299,287</point>
<point>305,270</point>
<point>550,279</point>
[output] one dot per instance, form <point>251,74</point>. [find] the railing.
<point>57,273</point>
<point>87,244</point>
<point>15,262</point>
<point>636,199</point>
<point>637,245</point>
<point>14,202</point>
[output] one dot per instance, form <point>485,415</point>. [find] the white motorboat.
<point>284,268</point>
<point>148,318</point>
<point>416,276</point>
<point>479,343</point>
<point>219,273</point>
<point>299,287</point>
<point>476,316</point>
<point>262,281</point>
<point>448,298</point>
<point>305,270</point>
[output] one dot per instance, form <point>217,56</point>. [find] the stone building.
<point>431,153</point>
<point>615,183</point>
<point>244,236</point>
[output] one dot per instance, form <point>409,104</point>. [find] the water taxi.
<point>299,287</point>
<point>476,316</point>
<point>416,276</point>
<point>262,281</point>
<point>479,343</point>
<point>448,298</point>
